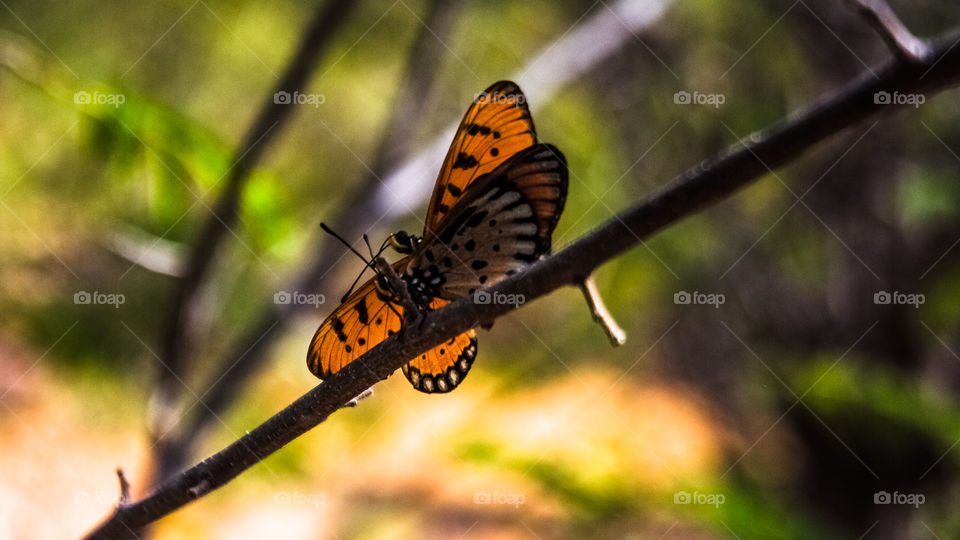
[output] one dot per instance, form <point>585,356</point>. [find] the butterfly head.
<point>403,243</point>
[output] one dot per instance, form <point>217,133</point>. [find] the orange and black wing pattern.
<point>496,126</point>
<point>368,317</point>
<point>365,319</point>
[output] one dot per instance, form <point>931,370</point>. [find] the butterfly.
<point>497,200</point>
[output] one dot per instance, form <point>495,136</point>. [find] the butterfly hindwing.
<point>503,224</point>
<point>496,126</point>
<point>443,368</point>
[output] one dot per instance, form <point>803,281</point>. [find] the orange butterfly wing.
<point>365,319</point>
<point>442,368</point>
<point>496,126</point>
<point>360,323</point>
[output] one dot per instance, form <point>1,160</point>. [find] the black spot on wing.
<point>454,190</point>
<point>476,218</point>
<point>478,265</point>
<point>337,325</point>
<point>473,129</point>
<point>464,161</point>
<point>361,309</point>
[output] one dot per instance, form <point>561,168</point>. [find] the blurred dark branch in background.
<point>899,39</point>
<point>247,354</point>
<point>698,188</point>
<point>315,41</point>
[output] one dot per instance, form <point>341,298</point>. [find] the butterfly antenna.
<point>354,284</point>
<point>366,240</point>
<point>366,263</point>
<point>344,242</point>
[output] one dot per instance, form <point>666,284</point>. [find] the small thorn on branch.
<point>363,395</point>
<point>199,489</point>
<point>124,488</point>
<point>899,39</point>
<point>600,313</point>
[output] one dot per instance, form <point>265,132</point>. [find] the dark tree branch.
<point>246,356</point>
<point>315,40</point>
<point>690,192</point>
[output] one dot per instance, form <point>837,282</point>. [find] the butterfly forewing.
<point>368,317</point>
<point>365,319</point>
<point>496,126</point>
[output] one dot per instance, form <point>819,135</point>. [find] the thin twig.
<point>687,194</point>
<point>600,313</point>
<point>898,38</point>
<point>124,488</point>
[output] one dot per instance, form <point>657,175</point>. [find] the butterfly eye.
<point>383,285</point>
<point>402,242</point>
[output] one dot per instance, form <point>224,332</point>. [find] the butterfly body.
<point>493,211</point>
